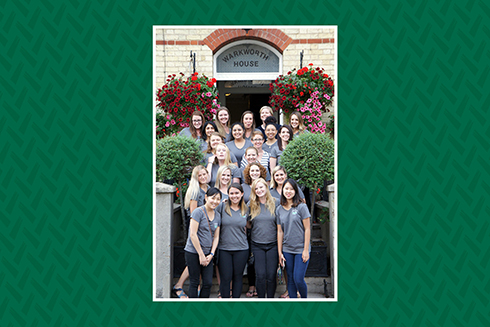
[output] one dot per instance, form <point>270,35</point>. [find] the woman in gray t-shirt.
<point>293,238</point>
<point>263,226</point>
<point>233,245</point>
<point>204,229</point>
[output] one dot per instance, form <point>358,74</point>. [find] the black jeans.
<point>231,265</point>
<point>195,272</point>
<point>266,260</point>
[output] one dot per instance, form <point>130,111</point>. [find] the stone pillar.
<point>163,240</point>
<point>333,232</point>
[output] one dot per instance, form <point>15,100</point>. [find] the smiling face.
<point>234,195</point>
<point>270,131</point>
<point>254,172</point>
<point>209,129</point>
<point>288,191</point>
<point>213,201</point>
<point>248,121</point>
<point>251,156</point>
<point>223,117</point>
<point>214,141</point>
<point>225,177</point>
<point>257,141</point>
<point>294,121</point>
<point>260,189</point>
<point>284,134</point>
<point>202,177</point>
<point>237,132</point>
<point>264,114</point>
<point>197,121</point>
<point>280,176</point>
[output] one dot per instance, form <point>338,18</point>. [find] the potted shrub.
<point>309,159</point>
<point>176,157</point>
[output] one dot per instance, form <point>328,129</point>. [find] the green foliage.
<point>176,156</point>
<point>309,159</point>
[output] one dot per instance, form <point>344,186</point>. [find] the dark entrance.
<point>240,96</point>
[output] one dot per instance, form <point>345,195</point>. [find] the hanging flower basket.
<point>180,97</point>
<point>309,90</point>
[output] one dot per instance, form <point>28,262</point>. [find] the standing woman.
<point>238,144</point>
<point>195,128</point>
<point>248,123</point>
<point>222,158</point>
<point>233,245</point>
<point>264,112</point>
<point>263,224</point>
<point>194,197</point>
<point>222,121</point>
<point>293,238</point>
<point>202,242</point>
<point>285,136</point>
<point>223,181</point>
<point>209,127</point>
<point>271,140</point>
<point>297,124</point>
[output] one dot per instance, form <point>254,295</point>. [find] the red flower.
<point>194,78</point>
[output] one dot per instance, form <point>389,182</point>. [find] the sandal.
<point>249,293</point>
<point>179,295</point>
<point>255,292</point>
<point>219,295</point>
<point>285,295</point>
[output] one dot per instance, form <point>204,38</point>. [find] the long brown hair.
<point>220,127</point>
<point>242,205</point>
<point>191,126</point>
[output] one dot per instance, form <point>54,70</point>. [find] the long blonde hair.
<point>227,157</point>
<point>270,202</point>
<point>194,187</point>
<point>220,172</point>
<point>220,127</point>
<point>301,124</point>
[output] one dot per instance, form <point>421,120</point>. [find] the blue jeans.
<point>296,270</point>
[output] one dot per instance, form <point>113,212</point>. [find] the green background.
<point>76,163</point>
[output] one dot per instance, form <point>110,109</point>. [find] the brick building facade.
<point>257,55</point>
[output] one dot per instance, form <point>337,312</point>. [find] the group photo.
<point>245,163</point>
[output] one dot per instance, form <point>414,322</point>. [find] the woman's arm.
<point>306,253</point>
<point>194,225</point>
<point>209,257</point>
<point>192,206</point>
<point>273,162</point>
<point>280,235</point>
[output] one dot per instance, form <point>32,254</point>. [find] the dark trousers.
<point>296,269</point>
<point>196,271</point>
<point>250,268</point>
<point>231,265</point>
<point>266,260</point>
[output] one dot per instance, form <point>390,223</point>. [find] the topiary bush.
<point>309,159</point>
<point>176,157</point>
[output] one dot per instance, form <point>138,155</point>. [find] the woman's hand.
<point>211,159</point>
<point>305,256</point>
<point>282,260</point>
<point>203,260</point>
<point>209,258</point>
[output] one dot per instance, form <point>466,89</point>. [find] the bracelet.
<point>212,254</point>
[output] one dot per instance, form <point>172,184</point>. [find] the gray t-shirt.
<point>238,152</point>
<point>276,153</point>
<point>268,148</point>
<point>264,226</point>
<point>247,189</point>
<point>235,172</point>
<point>233,231</point>
<point>291,222</point>
<point>203,233</point>
<point>276,194</point>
